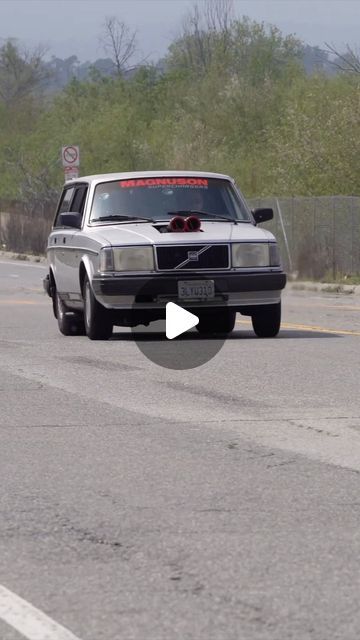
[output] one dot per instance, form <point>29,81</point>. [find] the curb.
<point>325,287</point>
<point>22,257</point>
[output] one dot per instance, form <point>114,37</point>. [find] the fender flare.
<point>52,282</point>
<point>86,268</point>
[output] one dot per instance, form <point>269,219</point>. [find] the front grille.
<point>193,257</point>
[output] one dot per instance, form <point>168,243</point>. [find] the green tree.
<point>315,147</point>
<point>21,73</point>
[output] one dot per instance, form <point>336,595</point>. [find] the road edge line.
<point>31,622</point>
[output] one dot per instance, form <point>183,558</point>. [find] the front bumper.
<point>232,289</point>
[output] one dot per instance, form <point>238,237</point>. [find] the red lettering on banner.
<point>162,182</point>
<point>127,183</point>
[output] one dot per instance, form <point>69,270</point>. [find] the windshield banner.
<point>164,182</point>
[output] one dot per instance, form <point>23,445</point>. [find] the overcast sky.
<point>69,27</point>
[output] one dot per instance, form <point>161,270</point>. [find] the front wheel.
<point>98,325</point>
<point>69,323</point>
<point>266,321</point>
<point>216,321</point>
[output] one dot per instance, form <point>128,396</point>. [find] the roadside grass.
<point>345,287</point>
<point>23,257</point>
<point>337,288</point>
<point>29,257</point>
<point>342,279</point>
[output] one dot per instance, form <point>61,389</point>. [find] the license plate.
<point>196,289</point>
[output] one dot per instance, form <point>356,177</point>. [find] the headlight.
<point>250,254</point>
<point>127,259</point>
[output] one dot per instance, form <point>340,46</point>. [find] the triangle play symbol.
<point>178,320</point>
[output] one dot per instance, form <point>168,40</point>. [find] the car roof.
<point>129,175</point>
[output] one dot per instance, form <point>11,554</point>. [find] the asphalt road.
<point>220,503</point>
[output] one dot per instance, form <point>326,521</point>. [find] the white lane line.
<point>32,623</point>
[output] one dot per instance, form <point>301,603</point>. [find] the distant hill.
<point>316,60</point>
<point>61,71</point>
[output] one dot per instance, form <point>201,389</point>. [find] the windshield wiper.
<point>184,212</point>
<point>119,216</point>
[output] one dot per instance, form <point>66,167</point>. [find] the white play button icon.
<point>178,320</point>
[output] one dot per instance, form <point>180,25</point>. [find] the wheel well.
<point>82,274</point>
<point>52,285</point>
<point>52,280</point>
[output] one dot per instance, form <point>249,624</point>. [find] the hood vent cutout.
<point>179,224</point>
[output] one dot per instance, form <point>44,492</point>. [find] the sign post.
<point>70,157</point>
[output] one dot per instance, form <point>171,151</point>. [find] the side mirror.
<point>70,219</point>
<point>262,215</point>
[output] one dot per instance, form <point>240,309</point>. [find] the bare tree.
<point>118,42</point>
<point>206,31</point>
<point>349,61</point>
<point>218,15</point>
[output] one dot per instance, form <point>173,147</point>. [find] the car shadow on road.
<point>285,334</point>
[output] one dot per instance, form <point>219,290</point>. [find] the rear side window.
<point>72,199</point>
<point>65,202</point>
<point>78,201</point>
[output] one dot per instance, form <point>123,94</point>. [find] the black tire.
<point>267,320</point>
<point>216,321</point>
<point>69,323</point>
<point>98,325</point>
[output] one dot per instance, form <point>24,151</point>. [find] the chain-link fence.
<point>318,237</point>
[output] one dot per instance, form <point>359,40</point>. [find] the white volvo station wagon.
<point>123,245</point>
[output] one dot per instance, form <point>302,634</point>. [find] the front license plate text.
<point>196,289</point>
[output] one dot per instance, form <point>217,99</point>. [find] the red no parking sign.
<point>70,156</point>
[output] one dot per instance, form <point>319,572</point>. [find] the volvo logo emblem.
<point>193,256</point>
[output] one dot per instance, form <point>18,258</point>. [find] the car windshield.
<point>154,198</point>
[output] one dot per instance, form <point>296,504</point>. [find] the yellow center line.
<point>307,327</point>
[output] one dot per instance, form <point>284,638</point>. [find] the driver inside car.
<point>194,201</point>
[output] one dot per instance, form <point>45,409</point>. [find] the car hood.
<point>145,233</point>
